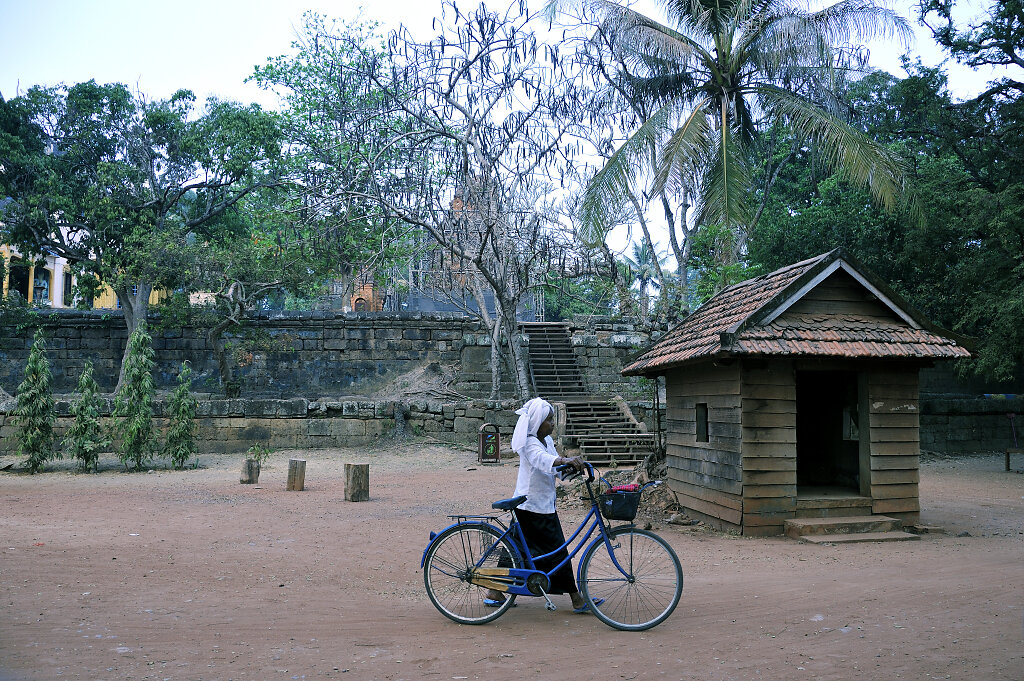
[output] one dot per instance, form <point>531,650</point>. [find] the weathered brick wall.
<point>311,354</point>
<point>312,380</point>
<point>232,426</point>
<point>965,425</point>
<point>602,348</point>
<point>284,355</point>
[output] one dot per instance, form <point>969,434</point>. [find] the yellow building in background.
<point>51,283</point>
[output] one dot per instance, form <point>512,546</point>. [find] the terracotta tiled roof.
<point>729,324</point>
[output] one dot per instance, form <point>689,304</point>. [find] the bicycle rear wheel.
<point>644,591</point>
<point>446,570</point>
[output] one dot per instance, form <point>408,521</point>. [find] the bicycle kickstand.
<point>547,601</point>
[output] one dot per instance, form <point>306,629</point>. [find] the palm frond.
<point>686,151</point>
<point>843,148</point>
<point>725,186</point>
<point>610,185</point>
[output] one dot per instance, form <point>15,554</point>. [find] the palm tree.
<point>645,270</point>
<point>718,74</point>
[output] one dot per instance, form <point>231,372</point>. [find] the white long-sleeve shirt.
<point>537,475</point>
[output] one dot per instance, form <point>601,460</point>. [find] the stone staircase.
<point>848,530</point>
<point>553,365</point>
<point>603,430</point>
<point>606,432</point>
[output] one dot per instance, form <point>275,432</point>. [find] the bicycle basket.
<point>619,505</point>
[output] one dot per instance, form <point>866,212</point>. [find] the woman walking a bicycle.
<point>538,459</point>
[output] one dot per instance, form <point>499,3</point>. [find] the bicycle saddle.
<point>508,504</point>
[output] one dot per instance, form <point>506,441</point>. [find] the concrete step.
<point>803,527</point>
<point>857,537</point>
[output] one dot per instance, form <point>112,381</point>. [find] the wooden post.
<point>250,472</point>
<point>296,475</point>
<point>357,481</point>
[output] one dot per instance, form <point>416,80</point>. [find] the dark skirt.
<point>543,535</point>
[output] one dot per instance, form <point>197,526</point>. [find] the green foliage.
<point>133,404</point>
<point>706,84</point>
<point>259,453</point>
<point>140,184</point>
<point>180,445</point>
<point>333,114</point>
<point>712,260</point>
<point>565,297</point>
<point>961,265</point>
<point>34,415</point>
<point>86,439</point>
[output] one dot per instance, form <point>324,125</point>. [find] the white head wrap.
<point>533,413</point>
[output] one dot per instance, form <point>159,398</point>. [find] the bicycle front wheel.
<point>636,583</point>
<point>446,569</point>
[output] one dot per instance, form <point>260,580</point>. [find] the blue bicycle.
<point>630,577</point>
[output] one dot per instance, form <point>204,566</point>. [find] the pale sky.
<point>211,46</point>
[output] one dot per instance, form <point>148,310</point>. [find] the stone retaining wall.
<point>232,426</point>
<point>970,425</point>
<point>289,354</point>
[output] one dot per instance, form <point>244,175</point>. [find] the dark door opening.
<point>17,281</point>
<point>827,433</point>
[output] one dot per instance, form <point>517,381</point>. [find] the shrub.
<point>180,445</point>
<point>34,416</point>
<point>259,453</point>
<point>86,438</point>
<point>133,404</point>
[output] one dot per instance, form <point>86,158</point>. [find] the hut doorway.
<point>827,433</point>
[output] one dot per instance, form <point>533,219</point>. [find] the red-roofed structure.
<point>795,394</point>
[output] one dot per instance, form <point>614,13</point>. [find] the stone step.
<point>857,537</point>
<point>803,527</point>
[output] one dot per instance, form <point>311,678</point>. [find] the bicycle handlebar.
<point>565,468</point>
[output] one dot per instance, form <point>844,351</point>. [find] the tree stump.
<point>296,475</point>
<point>250,472</point>
<point>357,481</point>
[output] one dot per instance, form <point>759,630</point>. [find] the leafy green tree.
<point>332,113</point>
<point>87,439</point>
<point>713,79</point>
<point>460,138</point>
<point>34,416</point>
<point>133,403</point>
<point>180,445</point>
<point>644,269</point>
<point>565,297</point>
<point>961,264</point>
<point>122,186</point>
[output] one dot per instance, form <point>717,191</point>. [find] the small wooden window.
<point>702,422</point>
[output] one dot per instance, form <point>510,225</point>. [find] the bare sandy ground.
<point>192,576</point>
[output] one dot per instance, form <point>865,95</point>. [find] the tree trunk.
<point>495,360</point>
<point>626,302</point>
<point>135,307</point>
<point>515,343</point>
<point>224,366</point>
<point>493,325</point>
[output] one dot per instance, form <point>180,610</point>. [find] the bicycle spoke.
<point>648,591</point>
<point>449,562</point>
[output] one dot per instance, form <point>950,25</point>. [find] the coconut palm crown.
<point>717,74</point>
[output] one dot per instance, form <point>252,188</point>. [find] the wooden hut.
<point>795,395</point>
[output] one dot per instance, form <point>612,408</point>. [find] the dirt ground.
<point>192,576</point>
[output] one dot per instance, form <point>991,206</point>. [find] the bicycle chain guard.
<point>538,583</point>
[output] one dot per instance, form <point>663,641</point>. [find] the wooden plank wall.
<point>769,446</point>
<point>841,294</point>
<point>706,476</point>
<point>893,412</point>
